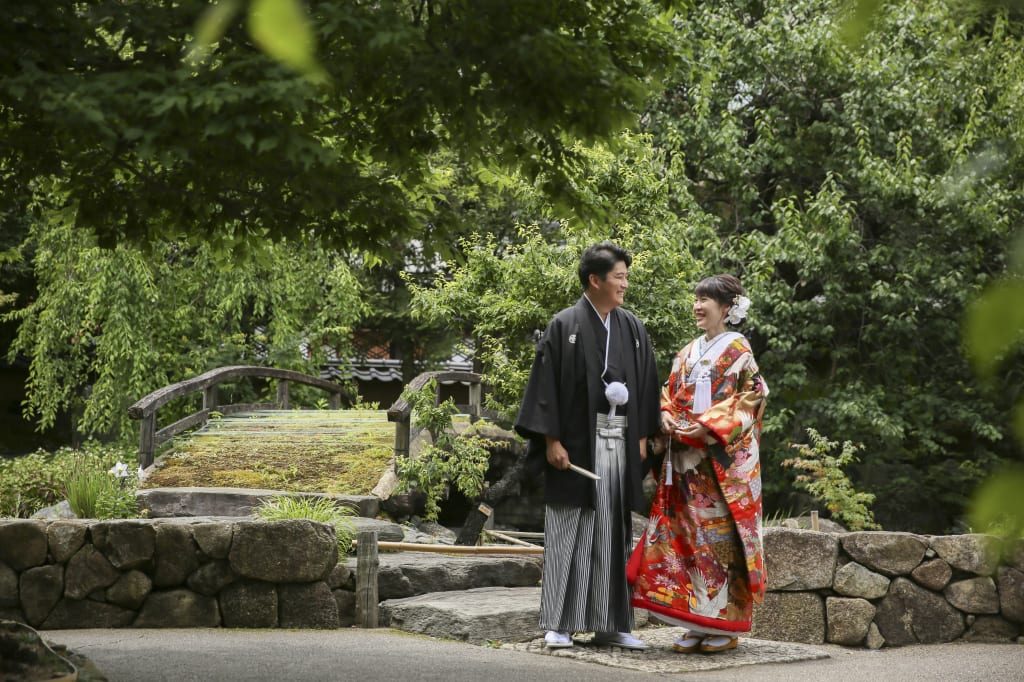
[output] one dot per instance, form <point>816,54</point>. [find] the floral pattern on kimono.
<point>701,559</point>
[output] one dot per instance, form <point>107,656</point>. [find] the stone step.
<point>481,615</point>
<point>478,616</point>
<point>165,502</point>
<point>408,574</point>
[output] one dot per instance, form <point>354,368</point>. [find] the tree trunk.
<point>506,486</point>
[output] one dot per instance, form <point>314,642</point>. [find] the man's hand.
<point>557,455</point>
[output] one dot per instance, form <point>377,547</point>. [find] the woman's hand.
<point>668,423</point>
<point>694,431</point>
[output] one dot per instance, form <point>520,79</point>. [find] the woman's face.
<point>709,313</point>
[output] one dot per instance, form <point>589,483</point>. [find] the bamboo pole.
<point>509,538</point>
<point>523,534</point>
<point>814,521</point>
<point>454,549</point>
<point>367,564</point>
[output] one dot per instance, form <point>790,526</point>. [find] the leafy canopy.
<point>144,143</point>
<point>865,198</point>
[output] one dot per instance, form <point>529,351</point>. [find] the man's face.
<point>611,290</point>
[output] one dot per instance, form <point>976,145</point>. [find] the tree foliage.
<point>145,144</point>
<point>864,198</point>
<point>823,477</point>
<point>108,326</point>
<point>506,291</point>
<point>449,459</point>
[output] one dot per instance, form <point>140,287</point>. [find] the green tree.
<point>506,291</point>
<point>145,144</point>
<point>864,198</point>
<point>108,326</point>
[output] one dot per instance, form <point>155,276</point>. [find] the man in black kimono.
<point>591,401</point>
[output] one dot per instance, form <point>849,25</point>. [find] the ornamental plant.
<point>825,479</point>
<point>322,509</point>
<point>97,494</point>
<point>31,482</point>
<point>451,459</point>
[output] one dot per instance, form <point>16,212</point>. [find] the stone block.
<point>992,629</point>
<point>126,544</point>
<point>341,576</point>
<point>41,588</point>
<point>249,604</point>
<point>790,617</point>
<point>72,614</point>
<point>211,578</point>
<point>130,590</point>
<point>346,602</point>
<point>22,543</point>
<point>1010,583</point>
<point>888,553</point>
<point>308,605</point>
<point>8,587</point>
<point>974,595</point>
<point>933,574</point>
<point>178,609</point>
<point>295,551</point>
<point>854,580</point>
<point>910,614</point>
<point>848,620</point>
<point>874,640</point>
<point>88,570</point>
<point>506,614</point>
<point>213,538</point>
<point>818,553</point>
<point>176,554</point>
<point>387,531</point>
<point>65,538</point>
<point>406,574</point>
<point>972,553</point>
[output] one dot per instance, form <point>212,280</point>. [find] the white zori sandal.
<point>557,640</point>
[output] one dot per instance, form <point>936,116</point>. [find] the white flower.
<point>142,474</point>
<point>119,470</point>
<point>740,306</point>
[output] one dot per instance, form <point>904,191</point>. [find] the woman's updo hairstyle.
<point>723,288</point>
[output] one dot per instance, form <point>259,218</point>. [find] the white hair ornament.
<point>738,311</point>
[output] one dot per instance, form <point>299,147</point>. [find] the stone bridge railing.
<point>856,589</point>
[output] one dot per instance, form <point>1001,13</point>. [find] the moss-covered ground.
<point>342,451</point>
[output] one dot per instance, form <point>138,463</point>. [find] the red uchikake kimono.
<point>700,562</point>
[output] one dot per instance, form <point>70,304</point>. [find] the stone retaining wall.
<point>856,589</point>
<point>880,588</point>
<point>171,573</point>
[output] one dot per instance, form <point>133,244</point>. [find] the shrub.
<point>461,460</point>
<point>36,480</point>
<point>827,482</point>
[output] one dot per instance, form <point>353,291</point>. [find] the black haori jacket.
<point>565,393</point>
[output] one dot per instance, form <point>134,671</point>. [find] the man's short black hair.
<point>599,260</point>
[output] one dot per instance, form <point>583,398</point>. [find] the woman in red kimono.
<point>700,562</point>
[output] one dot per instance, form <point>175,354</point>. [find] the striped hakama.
<point>584,586</point>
